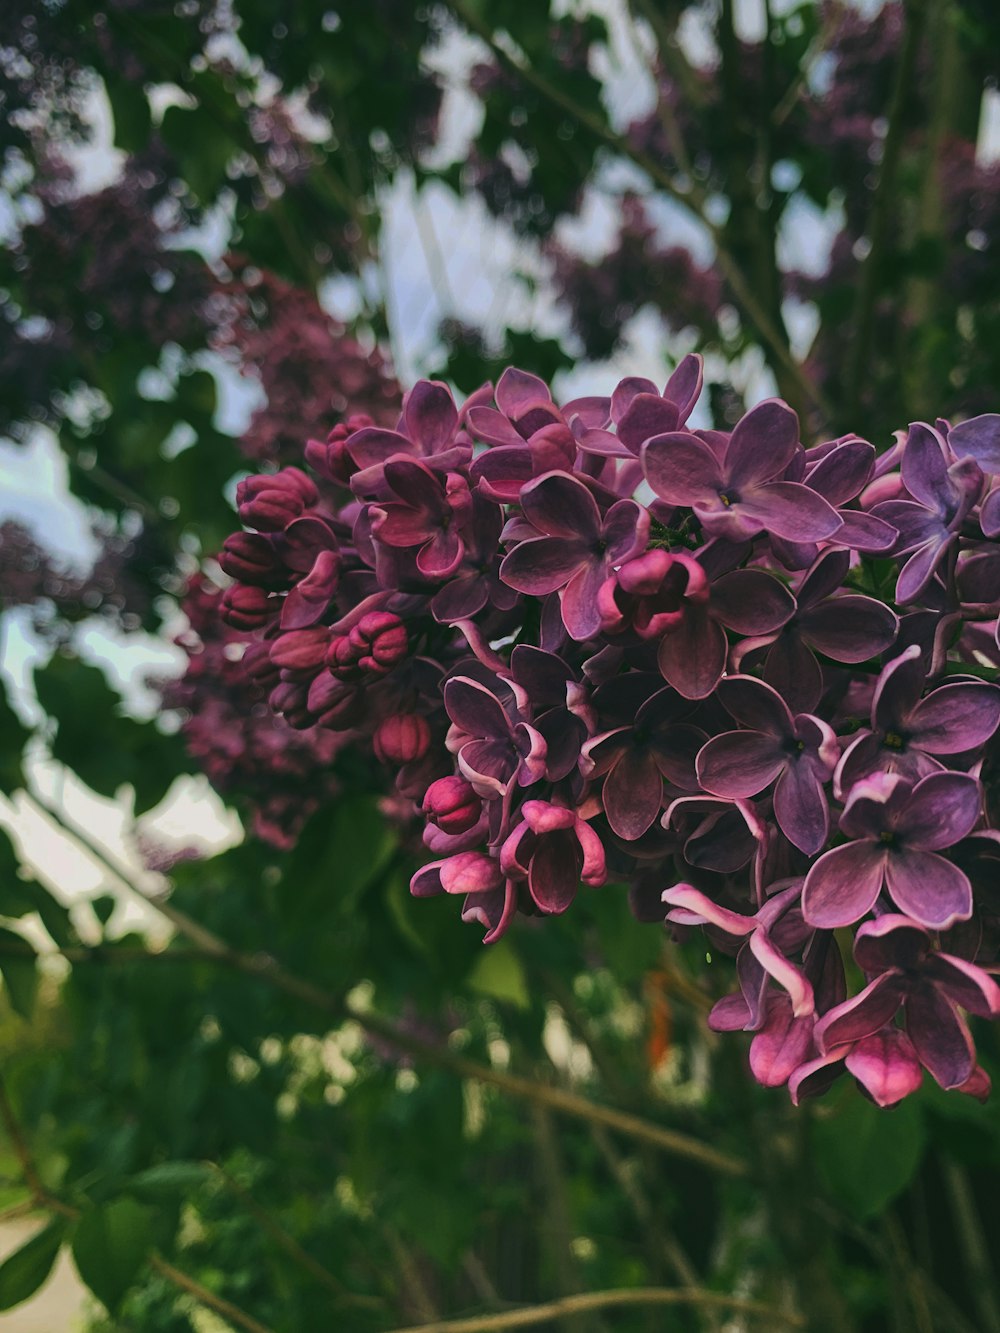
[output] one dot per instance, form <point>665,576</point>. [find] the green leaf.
<point>20,976</point>
<point>867,1155</point>
<point>23,1272</point>
<point>169,1178</point>
<point>499,974</point>
<point>15,735</point>
<point>110,1245</point>
<point>131,111</point>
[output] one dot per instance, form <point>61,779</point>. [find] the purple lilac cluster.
<point>279,775</point>
<point>748,679</point>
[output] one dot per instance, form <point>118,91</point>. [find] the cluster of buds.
<point>761,696</point>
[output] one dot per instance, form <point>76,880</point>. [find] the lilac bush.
<point>748,679</point>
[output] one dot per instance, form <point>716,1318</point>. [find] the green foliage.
<point>23,1272</point>
<point>110,1245</point>
<point>866,1156</point>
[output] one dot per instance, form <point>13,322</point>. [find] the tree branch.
<point>266,968</point>
<point>529,1316</point>
<point>881,211</point>
<point>694,199</point>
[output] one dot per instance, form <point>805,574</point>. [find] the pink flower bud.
<point>270,503</point>
<point>452,804</point>
<point>251,558</point>
<point>402,738</point>
<point>380,641</point>
<point>301,649</point>
<point>246,607</point>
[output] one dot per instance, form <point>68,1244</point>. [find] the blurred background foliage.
<point>278,1094</point>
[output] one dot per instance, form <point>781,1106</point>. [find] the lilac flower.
<point>639,412</point>
<point>427,431</point>
<point>929,523</point>
<point>560,704</point>
<point>576,548</point>
<point>909,728</point>
<point>492,750</point>
<point>739,493</point>
<point>897,829</point>
<point>906,971</point>
<point>846,627</point>
<point>839,470</point>
<point>553,849</point>
<point>489,898</point>
<point>372,647</point>
<point>798,753</point>
<point>270,502</point>
<point>653,745</point>
<point>429,513</point>
<point>476,582</point>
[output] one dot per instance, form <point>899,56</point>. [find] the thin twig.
<point>528,1316</point>
<point>207,1298</point>
<point>881,211</point>
<point>694,198</point>
<point>266,968</point>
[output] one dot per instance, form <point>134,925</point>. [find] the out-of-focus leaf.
<point>867,1155</point>
<point>110,1245</point>
<point>23,1272</point>
<point>15,735</point>
<point>20,974</point>
<point>498,973</point>
<point>169,1178</point>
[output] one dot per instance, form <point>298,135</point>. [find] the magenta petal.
<point>816,1076</point>
<point>886,1066</point>
<point>692,654</point>
<point>561,506</point>
<point>633,794</point>
<point>702,909</point>
<point>943,808</point>
<point>739,763</point>
<point>941,1036</point>
<point>581,611</point>
<point>681,468</point>
<point>781,1046</point>
<point>927,887</point>
<point>789,510</point>
<point>978,438</point>
<point>863,1014</point>
<point>762,444</point>
<point>684,385</point>
<point>843,884</point>
<point>308,600</point>
<point>784,972</point>
<point>442,555</point>
<point>890,941</point>
<point>517,390</point>
<point>469,872</point>
<point>965,984</point>
<point>730,1014</point>
<point>955,717</point>
<point>430,415</point>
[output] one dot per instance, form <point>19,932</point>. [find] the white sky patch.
<point>34,489</point>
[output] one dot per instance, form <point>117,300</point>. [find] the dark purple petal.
<point>475,710</point>
<point>851,628</point>
<point>633,794</point>
<point>756,705</point>
<point>554,872</point>
<point>874,804</point>
<point>739,763</point>
<point>965,984</point>
<point>928,888</point>
<point>794,672</point>
<point>647,415</point>
<point>865,533</point>
<point>442,555</point>
<point>940,1036</point>
<point>890,941</point>
<point>886,1066</point>
<point>581,611</point>
<point>682,469</point>
<point>625,530</point>
<point>542,566</point>
<point>989,514</point>
<point>843,884</point>
<point>863,1014</point>
<point>801,807</point>
<point>692,654</point>
<point>899,687</point>
<point>844,472</point>
<point>561,506</point>
<point>941,811</point>
<point>762,444</point>
<point>495,910</point>
<point>918,571</point>
<point>751,602</point>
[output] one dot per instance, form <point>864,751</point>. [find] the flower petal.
<point>762,444</point>
<point>928,888</point>
<point>692,654</point>
<point>739,763</point>
<point>943,808</point>
<point>789,510</point>
<point>863,1014</point>
<point>681,468</point>
<point>886,1066</point>
<point>843,884</point>
<point>801,807</point>
<point>955,717</point>
<point>940,1036</point>
<point>633,794</point>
